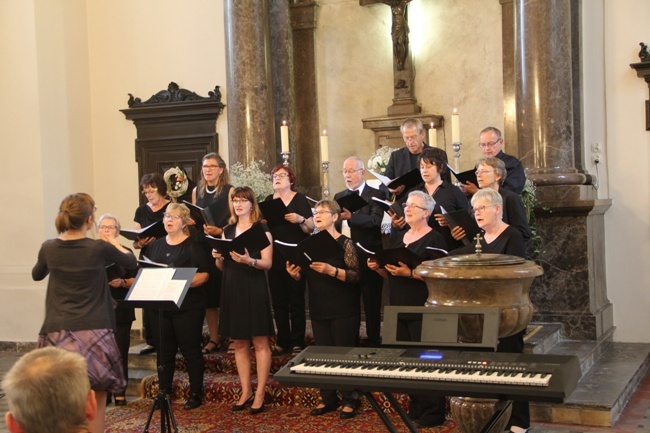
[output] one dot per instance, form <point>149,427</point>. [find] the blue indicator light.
<point>434,356</point>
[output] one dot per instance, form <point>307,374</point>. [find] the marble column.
<point>570,217</point>
<point>251,126</point>
<point>307,128</point>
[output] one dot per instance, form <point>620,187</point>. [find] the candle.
<point>284,137</point>
<point>433,139</point>
<point>455,127</point>
<point>324,154</point>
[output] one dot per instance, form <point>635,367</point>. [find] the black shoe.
<point>256,410</point>
<point>348,415</point>
<point>147,350</point>
<point>120,400</point>
<point>195,400</point>
<point>238,407</point>
<point>322,410</point>
<point>109,398</point>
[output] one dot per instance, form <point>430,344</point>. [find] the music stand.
<point>143,294</point>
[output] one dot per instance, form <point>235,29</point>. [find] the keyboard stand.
<point>395,405</point>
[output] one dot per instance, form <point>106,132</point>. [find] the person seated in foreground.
<point>49,392</point>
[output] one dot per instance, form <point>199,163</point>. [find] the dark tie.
<point>356,191</point>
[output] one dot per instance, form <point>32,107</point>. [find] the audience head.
<point>108,225</point>
<point>75,211</point>
<point>244,202</point>
<point>413,135</point>
<point>353,172</point>
<point>213,172</point>
<point>490,141</point>
<point>280,174</point>
<point>153,186</point>
<point>48,392</point>
<point>490,171</point>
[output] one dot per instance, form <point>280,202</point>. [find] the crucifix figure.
<point>399,30</point>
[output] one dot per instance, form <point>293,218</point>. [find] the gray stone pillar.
<point>570,219</point>
<point>544,91</point>
<point>251,127</point>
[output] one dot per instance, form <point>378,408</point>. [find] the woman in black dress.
<point>214,191</point>
<point>79,314</point>
<point>120,281</point>
<point>183,328</point>
<point>407,288</point>
<point>245,304</point>
<point>287,294</point>
<point>333,302</point>
<point>154,189</point>
<point>500,238</point>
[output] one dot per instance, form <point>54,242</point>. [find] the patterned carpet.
<point>213,417</point>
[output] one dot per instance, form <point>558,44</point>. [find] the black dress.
<point>245,301</point>
<point>287,294</point>
<point>213,286</point>
<point>183,328</point>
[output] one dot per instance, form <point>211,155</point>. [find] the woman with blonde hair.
<point>79,314</point>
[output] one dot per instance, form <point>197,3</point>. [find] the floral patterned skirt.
<point>100,350</point>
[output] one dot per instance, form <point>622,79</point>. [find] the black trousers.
<point>123,340</point>
<point>520,409</point>
<point>371,285</point>
<point>337,332</point>
<point>288,300</point>
<point>182,330</point>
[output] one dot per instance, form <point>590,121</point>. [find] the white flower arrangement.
<point>379,160</point>
<point>254,176</point>
<point>177,183</point>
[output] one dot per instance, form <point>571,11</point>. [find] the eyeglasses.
<point>280,175</point>
<point>411,137</point>
<point>482,171</point>
<point>489,144</point>
<point>172,217</point>
<point>481,209</point>
<point>408,205</point>
<point>210,167</point>
<point>351,171</point>
<point>322,212</point>
<point>239,200</point>
<point>149,191</point>
<point>102,227</point>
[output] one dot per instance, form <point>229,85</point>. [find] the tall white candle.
<point>433,139</point>
<point>284,136</point>
<point>455,127</point>
<point>324,152</point>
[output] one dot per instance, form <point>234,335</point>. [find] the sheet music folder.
<point>444,326</point>
<point>162,292</point>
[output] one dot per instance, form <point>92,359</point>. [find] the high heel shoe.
<point>256,410</point>
<point>238,407</point>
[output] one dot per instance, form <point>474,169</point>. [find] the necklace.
<point>208,189</point>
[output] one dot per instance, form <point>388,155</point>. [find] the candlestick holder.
<point>456,148</point>
<point>285,158</point>
<point>326,187</point>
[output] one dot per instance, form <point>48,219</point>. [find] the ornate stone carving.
<point>175,94</point>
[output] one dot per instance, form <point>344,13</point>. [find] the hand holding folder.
<point>155,230</point>
<point>253,240</point>
<point>320,247</point>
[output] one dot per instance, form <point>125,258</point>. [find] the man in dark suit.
<point>365,228</point>
<point>405,159</point>
<point>491,144</point>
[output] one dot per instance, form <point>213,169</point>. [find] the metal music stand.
<point>163,400</point>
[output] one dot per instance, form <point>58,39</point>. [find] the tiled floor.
<point>635,418</point>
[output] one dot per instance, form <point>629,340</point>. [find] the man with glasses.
<point>406,159</point>
<point>365,228</point>
<point>491,144</point>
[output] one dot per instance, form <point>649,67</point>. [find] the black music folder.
<point>320,247</point>
<point>392,256</point>
<point>462,218</point>
<point>392,206</point>
<point>254,240</point>
<point>155,230</point>
<point>465,176</point>
<point>409,180</point>
<point>161,288</point>
<point>274,212</point>
<point>210,215</point>
<point>352,202</point>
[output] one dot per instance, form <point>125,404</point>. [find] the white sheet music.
<point>153,283</point>
<point>172,291</point>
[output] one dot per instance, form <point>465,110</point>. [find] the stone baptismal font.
<point>480,281</point>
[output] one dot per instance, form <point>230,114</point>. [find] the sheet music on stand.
<point>162,288</point>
